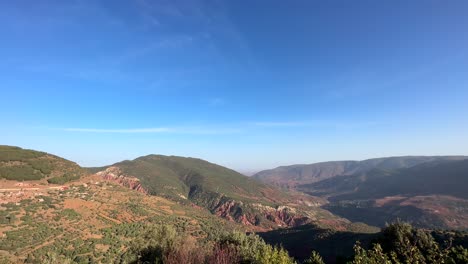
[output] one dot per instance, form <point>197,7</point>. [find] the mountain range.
<point>428,191</point>
<point>301,174</point>
<point>97,209</point>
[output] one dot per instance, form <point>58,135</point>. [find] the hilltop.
<point>222,191</point>
<point>29,165</point>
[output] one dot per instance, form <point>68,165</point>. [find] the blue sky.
<point>246,84</point>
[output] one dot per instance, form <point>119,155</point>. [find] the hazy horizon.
<point>250,86</point>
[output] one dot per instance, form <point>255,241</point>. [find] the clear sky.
<point>246,84</point>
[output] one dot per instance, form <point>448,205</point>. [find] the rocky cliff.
<point>252,214</point>
<point>114,174</point>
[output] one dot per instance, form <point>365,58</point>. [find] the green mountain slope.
<point>294,175</point>
<point>176,176</point>
<point>224,192</point>
<point>23,165</point>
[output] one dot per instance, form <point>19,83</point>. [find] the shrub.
<point>63,179</point>
<point>401,243</point>
<point>162,244</point>
<point>252,249</point>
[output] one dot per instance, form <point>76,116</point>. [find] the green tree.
<point>314,258</point>
<point>371,256</point>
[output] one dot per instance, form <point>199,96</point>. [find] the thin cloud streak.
<point>335,124</point>
<point>133,130</point>
<point>156,130</point>
<point>220,130</point>
<point>281,124</point>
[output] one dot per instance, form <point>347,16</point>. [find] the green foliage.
<point>163,244</point>
<point>9,153</point>
<point>457,255</point>
<point>252,249</point>
<point>206,184</point>
<point>134,206</point>
<point>371,256</point>
<point>172,176</point>
<point>314,258</point>
<point>70,214</point>
<point>7,218</point>
<point>400,243</point>
<point>45,166</point>
<point>63,179</point>
<point>27,237</point>
<point>20,173</point>
<point>24,165</point>
<point>54,258</point>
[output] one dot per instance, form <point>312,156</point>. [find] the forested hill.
<point>23,165</point>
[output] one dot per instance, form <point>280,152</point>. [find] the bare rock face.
<point>238,212</point>
<point>114,174</point>
<point>283,215</point>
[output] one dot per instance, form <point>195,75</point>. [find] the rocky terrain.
<point>114,174</point>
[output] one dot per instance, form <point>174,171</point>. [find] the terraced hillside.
<point>26,165</point>
<point>91,221</point>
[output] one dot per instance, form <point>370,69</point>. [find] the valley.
<point>429,192</point>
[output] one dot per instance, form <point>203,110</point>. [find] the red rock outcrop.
<point>114,174</point>
<point>281,216</point>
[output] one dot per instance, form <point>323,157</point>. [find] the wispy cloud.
<point>281,124</point>
<point>155,130</point>
<point>238,128</point>
<point>132,130</point>
<point>316,123</point>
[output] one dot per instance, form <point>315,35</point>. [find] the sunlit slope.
<point>24,164</point>
<point>180,176</point>
<point>223,191</point>
<point>92,221</point>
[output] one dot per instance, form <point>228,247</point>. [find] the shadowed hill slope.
<point>294,175</point>
<point>430,195</point>
<point>438,177</point>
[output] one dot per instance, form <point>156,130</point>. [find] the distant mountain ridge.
<point>430,178</point>
<point>430,195</point>
<point>429,192</point>
<point>300,174</point>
